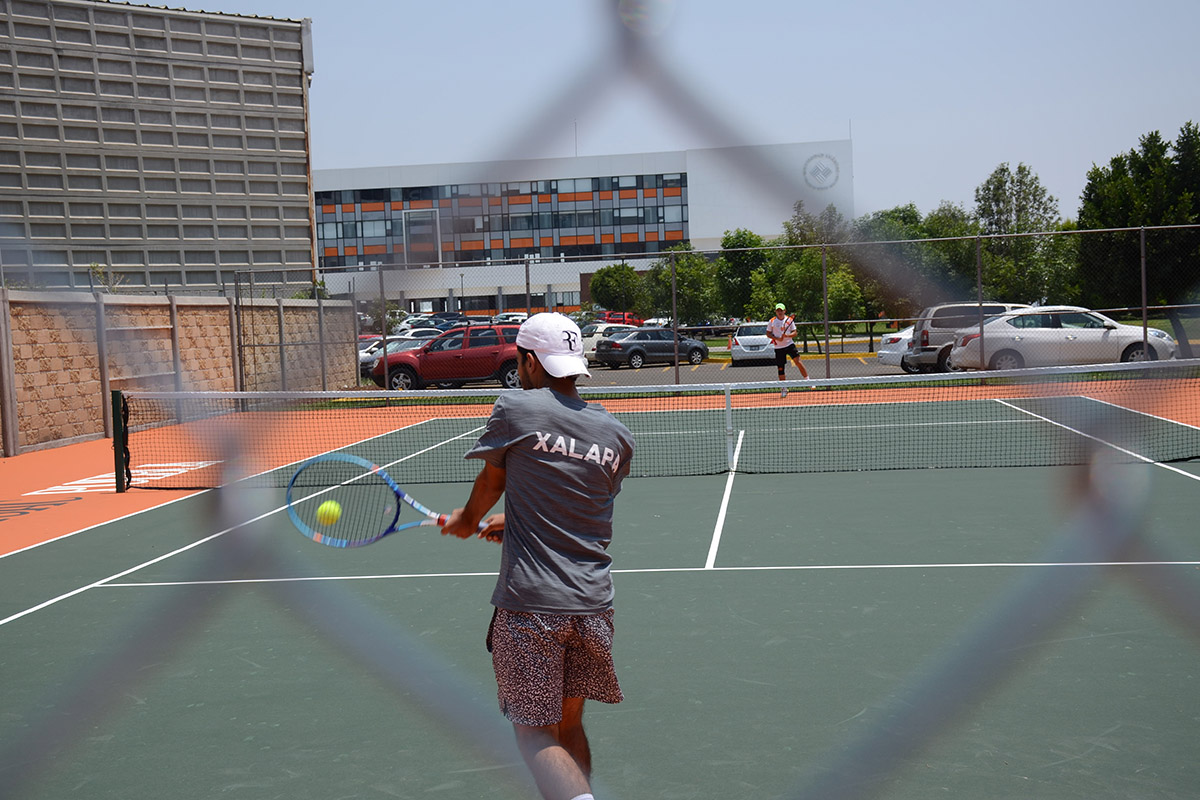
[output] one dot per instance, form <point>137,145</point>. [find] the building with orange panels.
<point>621,205</point>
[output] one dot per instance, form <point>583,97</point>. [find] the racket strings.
<point>366,504</point>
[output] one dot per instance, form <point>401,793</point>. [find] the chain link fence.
<point>844,295</point>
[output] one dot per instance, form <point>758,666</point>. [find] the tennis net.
<point>1034,417</point>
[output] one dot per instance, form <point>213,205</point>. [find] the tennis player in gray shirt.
<point>559,463</point>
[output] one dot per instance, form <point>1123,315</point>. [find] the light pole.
<point>460,292</point>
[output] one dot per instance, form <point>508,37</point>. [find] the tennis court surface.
<point>901,590</point>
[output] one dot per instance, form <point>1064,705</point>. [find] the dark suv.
<point>460,355</point>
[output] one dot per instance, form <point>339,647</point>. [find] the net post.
<point>729,427</point>
<point>120,442</point>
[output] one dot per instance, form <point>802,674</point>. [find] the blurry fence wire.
<point>1135,271</point>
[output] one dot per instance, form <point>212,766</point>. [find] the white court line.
<point>1098,440</point>
<point>651,570</point>
<point>719,528</point>
<point>184,549</point>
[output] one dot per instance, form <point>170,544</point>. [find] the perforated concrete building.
<point>167,147</point>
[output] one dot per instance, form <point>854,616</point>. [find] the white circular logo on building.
<point>821,171</point>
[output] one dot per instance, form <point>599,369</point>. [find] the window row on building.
<point>107,27</point>
<point>201,270</point>
<point>51,111</point>
<point>569,222</point>
<point>568,186</point>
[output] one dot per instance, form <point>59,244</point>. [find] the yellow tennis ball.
<point>329,512</point>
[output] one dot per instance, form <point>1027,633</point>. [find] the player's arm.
<point>485,493</point>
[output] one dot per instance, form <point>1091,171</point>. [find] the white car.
<point>421,333</point>
<point>510,317</point>
<point>751,344</point>
<point>598,330</point>
<point>893,350</point>
<point>1056,335</point>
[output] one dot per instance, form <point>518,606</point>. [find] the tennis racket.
<point>341,500</point>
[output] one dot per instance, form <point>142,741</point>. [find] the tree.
<point>1014,202</point>
<point>617,287</point>
<point>735,267</point>
<point>1157,183</point>
<point>1007,205</point>
<point>696,299</point>
<point>899,272</point>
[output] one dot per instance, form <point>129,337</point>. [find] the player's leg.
<point>795,354</point>
<point>556,771</point>
<point>780,363</point>
<point>571,734</point>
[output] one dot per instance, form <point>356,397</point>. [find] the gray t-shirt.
<point>564,461</point>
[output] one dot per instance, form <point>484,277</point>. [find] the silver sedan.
<point>1045,336</point>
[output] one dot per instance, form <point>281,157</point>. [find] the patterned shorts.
<point>540,659</point>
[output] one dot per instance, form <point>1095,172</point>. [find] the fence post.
<point>825,303</point>
<point>674,316</point>
<point>383,331</point>
<point>528,297</point>
<point>8,379</point>
<point>321,340</point>
<point>283,381</point>
<point>979,296</point>
<point>176,355</point>
<point>234,345</point>
<point>356,330</point>
<point>102,360</point>
<point>1145,311</point>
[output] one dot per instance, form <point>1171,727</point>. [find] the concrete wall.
<point>64,351</point>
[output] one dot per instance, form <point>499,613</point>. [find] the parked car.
<point>893,350</point>
<point>415,338</point>
<point>933,332</point>
<point>1056,335</point>
<point>368,351</point>
<point>751,344</point>
<point>597,331</point>
<point>646,345</point>
<point>625,317</point>
<point>420,333</point>
<point>717,327</point>
<point>657,322</point>
<point>510,317</point>
<point>458,356</point>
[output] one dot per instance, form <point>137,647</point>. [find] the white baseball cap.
<point>557,341</point>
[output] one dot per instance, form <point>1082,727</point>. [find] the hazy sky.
<point>934,94</point>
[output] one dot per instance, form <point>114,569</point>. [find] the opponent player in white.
<point>781,330</point>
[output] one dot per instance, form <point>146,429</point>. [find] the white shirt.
<point>781,330</point>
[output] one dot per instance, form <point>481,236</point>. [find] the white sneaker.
<point>784,392</point>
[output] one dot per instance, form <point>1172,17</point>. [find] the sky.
<point>934,95</point>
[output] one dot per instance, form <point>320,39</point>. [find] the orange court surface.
<point>51,493</point>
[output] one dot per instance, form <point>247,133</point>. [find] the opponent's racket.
<point>341,500</point>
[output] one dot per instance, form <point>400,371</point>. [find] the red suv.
<point>622,317</point>
<point>458,356</point>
